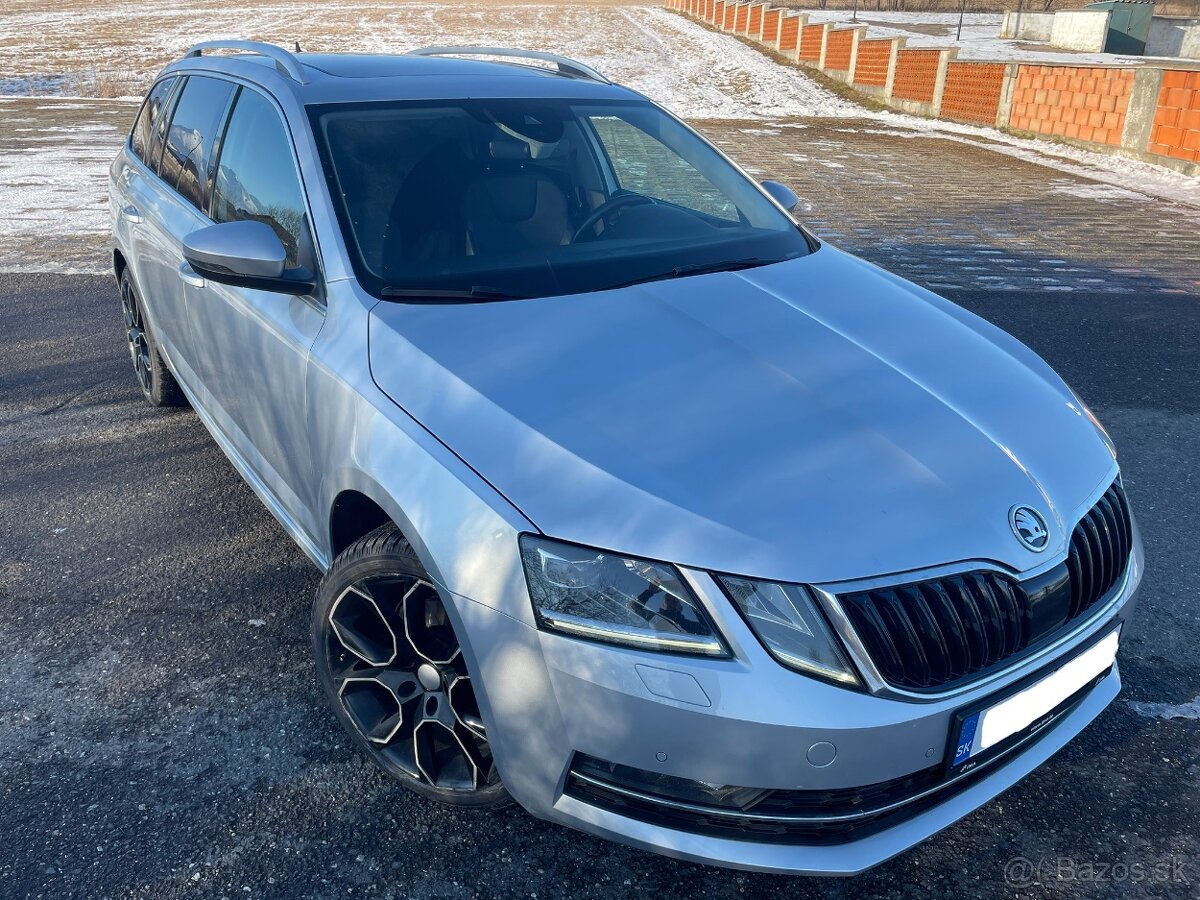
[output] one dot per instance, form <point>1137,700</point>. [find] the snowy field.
<point>58,133</point>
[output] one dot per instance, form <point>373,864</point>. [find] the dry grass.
<point>114,49</point>
<point>107,84</point>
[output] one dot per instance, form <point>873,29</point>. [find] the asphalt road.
<point>162,733</point>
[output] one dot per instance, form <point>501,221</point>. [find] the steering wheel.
<point>618,200</point>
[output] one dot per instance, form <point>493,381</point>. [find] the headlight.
<point>593,594</point>
<point>787,621</point>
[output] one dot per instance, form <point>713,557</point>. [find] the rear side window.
<point>190,137</point>
<point>256,178</point>
<point>152,110</point>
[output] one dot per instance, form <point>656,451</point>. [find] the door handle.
<point>189,277</point>
<point>131,215</point>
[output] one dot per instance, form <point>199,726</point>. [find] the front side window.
<point>644,164</point>
<point>256,178</point>
<point>516,198</point>
<point>143,129</point>
<point>190,137</point>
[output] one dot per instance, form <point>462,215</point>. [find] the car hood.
<point>815,420</point>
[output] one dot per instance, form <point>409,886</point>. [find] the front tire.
<point>155,379</point>
<point>394,673</point>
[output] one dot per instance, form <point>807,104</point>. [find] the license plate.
<point>987,730</point>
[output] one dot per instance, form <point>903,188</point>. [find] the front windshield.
<point>494,199</point>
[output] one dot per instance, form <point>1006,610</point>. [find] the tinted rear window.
<point>152,109</point>
<point>190,137</point>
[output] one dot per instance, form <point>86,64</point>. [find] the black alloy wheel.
<point>154,378</point>
<point>394,672</point>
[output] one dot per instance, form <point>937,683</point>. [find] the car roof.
<point>349,77</point>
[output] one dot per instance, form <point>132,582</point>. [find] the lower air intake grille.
<point>930,634</point>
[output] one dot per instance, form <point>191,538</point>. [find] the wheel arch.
<point>119,263</point>
<point>358,506</point>
<point>352,515</point>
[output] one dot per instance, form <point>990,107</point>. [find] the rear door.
<point>171,207</point>
<point>142,210</point>
<point>251,347</point>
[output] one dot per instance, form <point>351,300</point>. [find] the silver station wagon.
<point>636,504</point>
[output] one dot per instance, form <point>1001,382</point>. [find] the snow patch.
<point>1189,710</point>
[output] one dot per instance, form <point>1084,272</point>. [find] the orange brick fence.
<point>972,92</point>
<point>916,75</point>
<point>1145,112</point>
<point>839,47</point>
<point>789,33</point>
<point>1176,130</point>
<point>812,42</point>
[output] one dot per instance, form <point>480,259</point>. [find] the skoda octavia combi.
<point>636,503</point>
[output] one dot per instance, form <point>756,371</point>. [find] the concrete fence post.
<point>1143,106</point>
<point>840,52</point>
<point>897,46</point>
<point>793,55</point>
<point>789,34</point>
<point>1004,108</point>
<point>754,20</point>
<point>939,88</point>
<point>859,32</point>
<point>730,16</point>
<point>824,45</point>
<point>875,65</point>
<point>741,21</point>
<point>772,16</point>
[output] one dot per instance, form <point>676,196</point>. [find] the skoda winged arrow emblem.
<point>1029,527</point>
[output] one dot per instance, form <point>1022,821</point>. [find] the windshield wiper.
<point>478,294</point>
<point>729,265</point>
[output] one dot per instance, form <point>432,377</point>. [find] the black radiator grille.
<point>930,634</point>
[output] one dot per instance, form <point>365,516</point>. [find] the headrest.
<point>508,149</point>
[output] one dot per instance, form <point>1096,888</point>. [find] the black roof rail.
<point>566,65</point>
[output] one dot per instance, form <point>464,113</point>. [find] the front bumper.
<point>745,721</point>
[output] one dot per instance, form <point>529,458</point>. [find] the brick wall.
<point>916,75</point>
<point>838,46</point>
<point>790,34</point>
<point>811,38</point>
<point>1176,131</point>
<point>1084,103</point>
<point>771,23</point>
<point>872,63</point>
<point>756,20</point>
<point>972,92</point>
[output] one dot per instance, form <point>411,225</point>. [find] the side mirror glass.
<point>782,194</point>
<point>244,254</point>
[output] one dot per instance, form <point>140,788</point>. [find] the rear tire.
<point>155,379</point>
<point>393,670</point>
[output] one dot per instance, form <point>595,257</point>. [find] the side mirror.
<point>244,254</point>
<point>782,194</point>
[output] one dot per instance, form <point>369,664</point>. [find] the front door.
<point>252,346</point>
